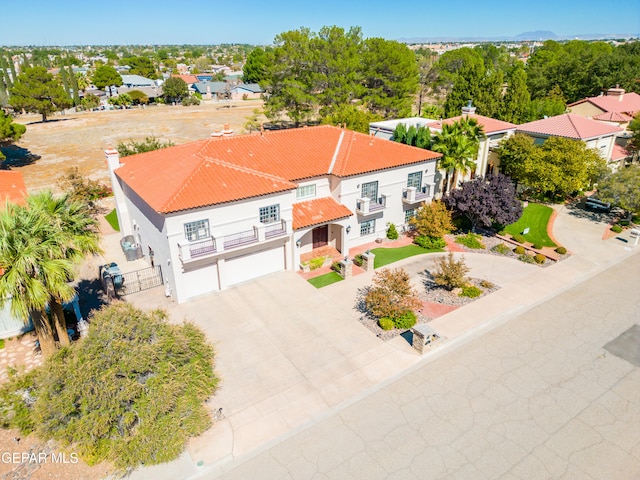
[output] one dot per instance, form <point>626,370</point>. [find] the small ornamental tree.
<point>131,393</point>
<point>622,188</point>
<point>391,294</point>
<point>485,201</point>
<point>174,90</point>
<point>450,273</point>
<point>37,91</point>
<point>433,220</point>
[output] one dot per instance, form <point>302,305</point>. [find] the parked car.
<point>597,205</point>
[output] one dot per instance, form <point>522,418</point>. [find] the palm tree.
<point>77,236</point>
<point>458,142</point>
<point>40,246</point>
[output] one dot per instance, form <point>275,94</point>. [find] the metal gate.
<point>122,284</point>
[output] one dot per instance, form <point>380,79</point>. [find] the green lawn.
<point>385,256</point>
<point>324,280</point>
<point>112,218</point>
<point>536,217</point>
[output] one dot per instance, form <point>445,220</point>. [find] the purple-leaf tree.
<point>486,200</point>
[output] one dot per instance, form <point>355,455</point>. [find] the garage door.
<point>254,265</point>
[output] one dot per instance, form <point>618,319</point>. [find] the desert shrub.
<point>518,238</point>
<point>188,101</point>
<point>502,232</point>
<point>432,243</point>
<point>539,258</point>
<point>392,232</point>
<point>470,240</point>
<point>519,250</point>
<point>450,273</point>
<point>526,258</point>
<point>405,321</point>
<point>561,250</point>
<point>357,260</point>
<point>131,392</point>
<point>623,223</point>
<point>501,248</point>
<point>316,263</point>
<point>83,189</point>
<point>149,144</point>
<point>537,246</point>
<point>386,323</point>
<point>335,266</point>
<point>391,294</point>
<point>616,229</point>
<point>471,291</point>
<point>486,284</point>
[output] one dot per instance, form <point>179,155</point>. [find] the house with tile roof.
<point>616,107</point>
<point>598,135</point>
<point>225,210</point>
<point>494,131</point>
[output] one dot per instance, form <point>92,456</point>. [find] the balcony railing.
<point>416,195</point>
<point>198,248</point>
<point>241,238</point>
<point>365,206</point>
<point>275,229</point>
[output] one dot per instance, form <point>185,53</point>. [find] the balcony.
<point>217,245</point>
<point>413,195</point>
<point>193,250</point>
<point>367,206</point>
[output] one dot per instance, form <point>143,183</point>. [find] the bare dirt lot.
<point>79,139</point>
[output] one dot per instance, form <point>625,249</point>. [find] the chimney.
<point>468,109</point>
<point>616,92</point>
<point>113,158</point>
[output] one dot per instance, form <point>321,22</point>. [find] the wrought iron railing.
<point>275,229</point>
<point>241,238</point>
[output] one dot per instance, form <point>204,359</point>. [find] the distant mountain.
<point>539,35</point>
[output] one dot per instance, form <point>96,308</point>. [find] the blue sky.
<point>73,22</point>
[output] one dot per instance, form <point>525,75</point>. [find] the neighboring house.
<point>210,90</point>
<point>245,91</point>
<point>226,210</point>
<point>616,107</point>
<point>494,131</point>
<point>595,134</point>
<point>150,92</point>
<point>190,80</point>
<point>137,81</point>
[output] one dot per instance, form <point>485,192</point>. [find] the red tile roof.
<point>315,212</point>
<point>628,103</point>
<point>569,125</point>
<point>12,187</point>
<point>224,169</point>
<point>489,125</point>
<point>188,79</point>
<point>619,153</point>
<point>613,117</point>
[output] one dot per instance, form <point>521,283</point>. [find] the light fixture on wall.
<point>348,229</point>
<point>298,243</point>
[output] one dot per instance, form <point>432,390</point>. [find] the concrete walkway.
<point>291,355</point>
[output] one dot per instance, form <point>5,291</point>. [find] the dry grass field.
<point>79,139</point>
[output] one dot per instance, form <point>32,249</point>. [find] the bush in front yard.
<point>471,240</point>
<point>386,323</point>
<point>526,258</point>
<point>316,263</point>
<point>616,229</point>
<point>450,273</point>
<point>518,238</point>
<point>391,294</point>
<point>357,260</point>
<point>392,233</point>
<point>519,250</point>
<point>405,321</point>
<point>471,291</point>
<point>561,250</point>
<point>501,248</point>
<point>431,243</point>
<point>539,258</point>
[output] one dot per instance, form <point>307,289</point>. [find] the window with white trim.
<point>415,180</point>
<point>370,190</point>
<point>368,227</point>
<point>409,214</point>
<point>270,214</point>
<point>306,191</point>
<point>197,230</point>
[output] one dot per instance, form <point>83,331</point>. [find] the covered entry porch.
<point>321,229</point>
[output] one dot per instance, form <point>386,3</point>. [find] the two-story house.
<point>225,210</point>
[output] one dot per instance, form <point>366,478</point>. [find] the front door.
<point>320,236</point>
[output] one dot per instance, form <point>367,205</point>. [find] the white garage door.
<point>254,265</point>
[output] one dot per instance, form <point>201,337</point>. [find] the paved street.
<point>538,397</point>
